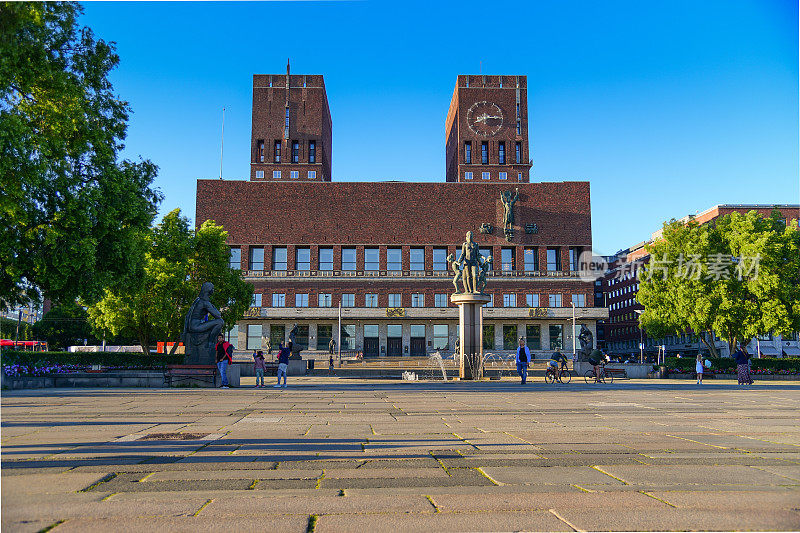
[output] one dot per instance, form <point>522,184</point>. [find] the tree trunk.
<point>711,346</point>
<point>174,347</point>
<point>144,342</point>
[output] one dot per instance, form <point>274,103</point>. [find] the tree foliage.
<point>178,260</point>
<point>63,326</point>
<point>737,277</point>
<point>72,214</point>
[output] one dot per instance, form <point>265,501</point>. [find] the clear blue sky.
<point>667,107</point>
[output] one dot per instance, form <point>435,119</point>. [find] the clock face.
<point>485,118</point>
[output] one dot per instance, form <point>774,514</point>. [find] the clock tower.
<point>487,130</point>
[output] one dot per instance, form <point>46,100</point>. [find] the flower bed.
<point>16,364</point>
<point>727,365</point>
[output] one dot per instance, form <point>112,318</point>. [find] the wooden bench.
<point>617,373</point>
<point>184,372</point>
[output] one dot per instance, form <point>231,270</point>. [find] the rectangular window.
<point>491,301</point>
<point>277,153</point>
<point>553,259</point>
<point>372,259</point>
<point>440,259</point>
<point>394,259</point>
<point>348,258</point>
<point>533,337</point>
<point>295,152</point>
<point>233,337</point>
<point>502,175</point>
<point>440,300</point>
<point>418,259</point>
<point>468,152</point>
<point>276,174</point>
<point>294,174</point>
<point>301,338</point>
<point>286,125</point>
<point>324,334</point>
<point>312,174</point>
<point>371,300</point>
<point>235,259</point>
<point>532,300</point>
<point>531,256</point>
<point>259,174</point>
<point>555,300</point>
<point>579,300</point>
<point>279,258</point>
<point>260,151</point>
<point>501,152</point>
<point>518,148</point>
<point>417,330</point>
<point>441,340</point>
<point>395,300</point>
<point>302,259</point>
<point>507,258</point>
<point>312,152</point>
<point>519,128</point>
<point>417,299</point>
<point>326,258</point>
<point>486,175</point>
<point>486,253</point>
<point>488,336</point>
<point>324,300</point>
<point>254,337</point>
<point>348,337</point>
<point>484,153</point>
<point>509,300</point>
<point>370,331</point>
<point>277,335</point>
<point>278,300</point>
<point>574,256</point>
<point>510,341</point>
<point>394,330</point>
<point>256,258</point>
<point>556,336</point>
<point>301,300</point>
<point>348,300</point>
<point>467,175</point>
<point>256,300</point>
<point>519,176</point>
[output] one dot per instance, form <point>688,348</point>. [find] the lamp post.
<point>641,337</point>
<point>574,340</point>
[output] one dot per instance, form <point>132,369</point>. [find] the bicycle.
<point>589,376</point>
<point>563,375</point>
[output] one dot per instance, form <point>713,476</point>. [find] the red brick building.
<point>379,248</point>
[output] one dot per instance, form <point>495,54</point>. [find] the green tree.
<point>63,326</point>
<point>737,277</point>
<point>72,214</point>
<point>178,260</point>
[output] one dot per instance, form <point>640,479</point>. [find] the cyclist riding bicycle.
<point>555,359</point>
<point>594,359</point>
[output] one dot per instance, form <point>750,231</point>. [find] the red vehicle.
<point>32,346</point>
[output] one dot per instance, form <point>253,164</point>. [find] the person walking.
<point>330,366</point>
<point>224,357</point>
<point>698,367</point>
<point>523,359</point>
<point>259,368</point>
<point>742,368</point>
<point>283,363</point>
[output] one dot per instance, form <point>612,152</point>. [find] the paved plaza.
<point>331,454</point>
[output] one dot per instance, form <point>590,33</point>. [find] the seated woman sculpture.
<point>202,325</point>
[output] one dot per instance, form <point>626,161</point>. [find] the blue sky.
<point>667,108</point>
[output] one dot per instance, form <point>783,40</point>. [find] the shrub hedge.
<point>108,359</point>
<point>727,365</point>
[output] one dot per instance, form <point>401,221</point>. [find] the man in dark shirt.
<point>283,363</point>
<point>556,359</point>
<point>224,351</point>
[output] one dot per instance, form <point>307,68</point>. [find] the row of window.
<point>394,258</point>
<point>440,334</point>
<point>488,175</point>
<point>417,300</point>
<point>293,174</point>
<point>294,154</point>
<point>501,152</point>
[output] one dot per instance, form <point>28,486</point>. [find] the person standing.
<point>283,363</point>
<point>698,367</point>
<point>742,368</point>
<point>259,368</point>
<point>331,347</point>
<point>224,357</point>
<point>523,359</point>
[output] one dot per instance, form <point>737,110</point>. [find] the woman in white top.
<point>698,367</point>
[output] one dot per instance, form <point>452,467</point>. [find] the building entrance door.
<point>394,346</point>
<point>417,346</point>
<point>371,346</point>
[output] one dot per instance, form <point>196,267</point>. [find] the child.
<point>698,367</point>
<point>259,368</point>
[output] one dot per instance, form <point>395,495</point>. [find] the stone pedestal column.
<point>470,317</point>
